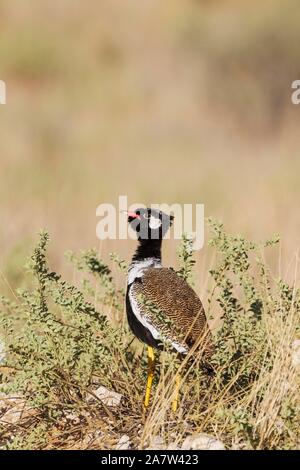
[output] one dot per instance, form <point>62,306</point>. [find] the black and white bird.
<point>162,309</point>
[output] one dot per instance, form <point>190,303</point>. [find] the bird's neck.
<point>147,255</point>
<point>148,249</point>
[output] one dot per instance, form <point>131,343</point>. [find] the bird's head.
<point>150,224</point>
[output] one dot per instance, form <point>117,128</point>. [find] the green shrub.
<point>62,340</point>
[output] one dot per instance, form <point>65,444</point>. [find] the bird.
<point>162,308</point>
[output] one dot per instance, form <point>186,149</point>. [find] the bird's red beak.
<point>133,215</point>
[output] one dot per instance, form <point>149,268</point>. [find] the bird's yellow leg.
<point>176,393</point>
<point>151,367</point>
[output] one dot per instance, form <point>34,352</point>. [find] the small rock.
<point>108,397</point>
<point>156,443</point>
<point>202,442</point>
<point>123,443</point>
<point>296,353</point>
<point>173,446</point>
<point>13,411</point>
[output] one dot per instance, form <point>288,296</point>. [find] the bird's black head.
<point>150,224</point>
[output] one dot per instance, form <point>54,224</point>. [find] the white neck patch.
<point>137,268</point>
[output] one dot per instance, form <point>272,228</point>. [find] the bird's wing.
<point>165,302</point>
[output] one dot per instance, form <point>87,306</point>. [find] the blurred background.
<point>163,101</point>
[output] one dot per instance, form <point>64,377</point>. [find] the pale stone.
<point>123,443</point>
<point>202,442</point>
<point>173,446</point>
<point>72,417</point>
<point>156,443</point>
<point>13,410</point>
<point>108,397</point>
